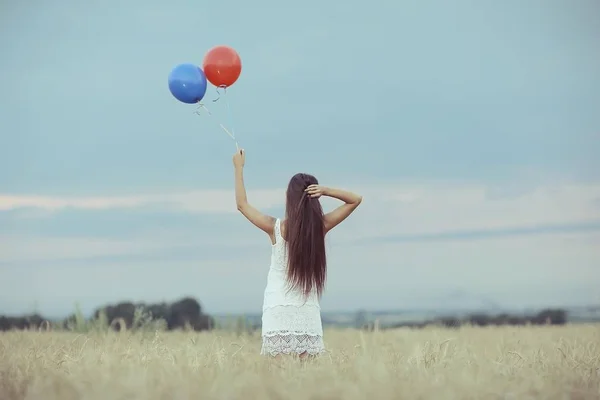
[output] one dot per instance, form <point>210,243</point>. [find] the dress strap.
<point>277,230</point>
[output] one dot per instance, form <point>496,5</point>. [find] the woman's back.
<point>291,322</point>
<point>278,290</point>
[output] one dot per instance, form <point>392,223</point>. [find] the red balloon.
<point>222,66</point>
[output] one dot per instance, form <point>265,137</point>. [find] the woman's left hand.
<point>315,191</point>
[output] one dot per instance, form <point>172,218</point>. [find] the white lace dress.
<point>290,324</point>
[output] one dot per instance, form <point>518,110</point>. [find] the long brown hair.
<point>305,237</point>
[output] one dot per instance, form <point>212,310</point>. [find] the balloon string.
<point>200,105</point>
<point>218,93</point>
<point>229,113</point>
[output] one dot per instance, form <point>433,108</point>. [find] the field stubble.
<point>545,362</point>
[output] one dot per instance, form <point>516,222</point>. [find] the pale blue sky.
<point>471,127</point>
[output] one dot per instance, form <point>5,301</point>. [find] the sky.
<point>471,128</point>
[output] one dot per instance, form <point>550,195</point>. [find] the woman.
<point>291,320</point>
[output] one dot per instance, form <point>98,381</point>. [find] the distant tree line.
<point>544,317</point>
<point>185,313</point>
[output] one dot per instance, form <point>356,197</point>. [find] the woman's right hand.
<point>239,159</point>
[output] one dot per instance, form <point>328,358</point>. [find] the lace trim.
<point>286,342</point>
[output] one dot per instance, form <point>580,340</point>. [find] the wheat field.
<point>544,362</point>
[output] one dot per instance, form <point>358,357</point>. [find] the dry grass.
<point>469,363</point>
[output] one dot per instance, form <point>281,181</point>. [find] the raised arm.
<point>333,218</point>
<point>264,222</point>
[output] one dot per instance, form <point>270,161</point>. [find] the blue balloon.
<point>187,83</point>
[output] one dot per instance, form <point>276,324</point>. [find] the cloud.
<point>406,246</point>
<point>37,228</point>
<point>512,271</point>
<point>444,208</point>
<point>202,201</point>
<point>547,203</point>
